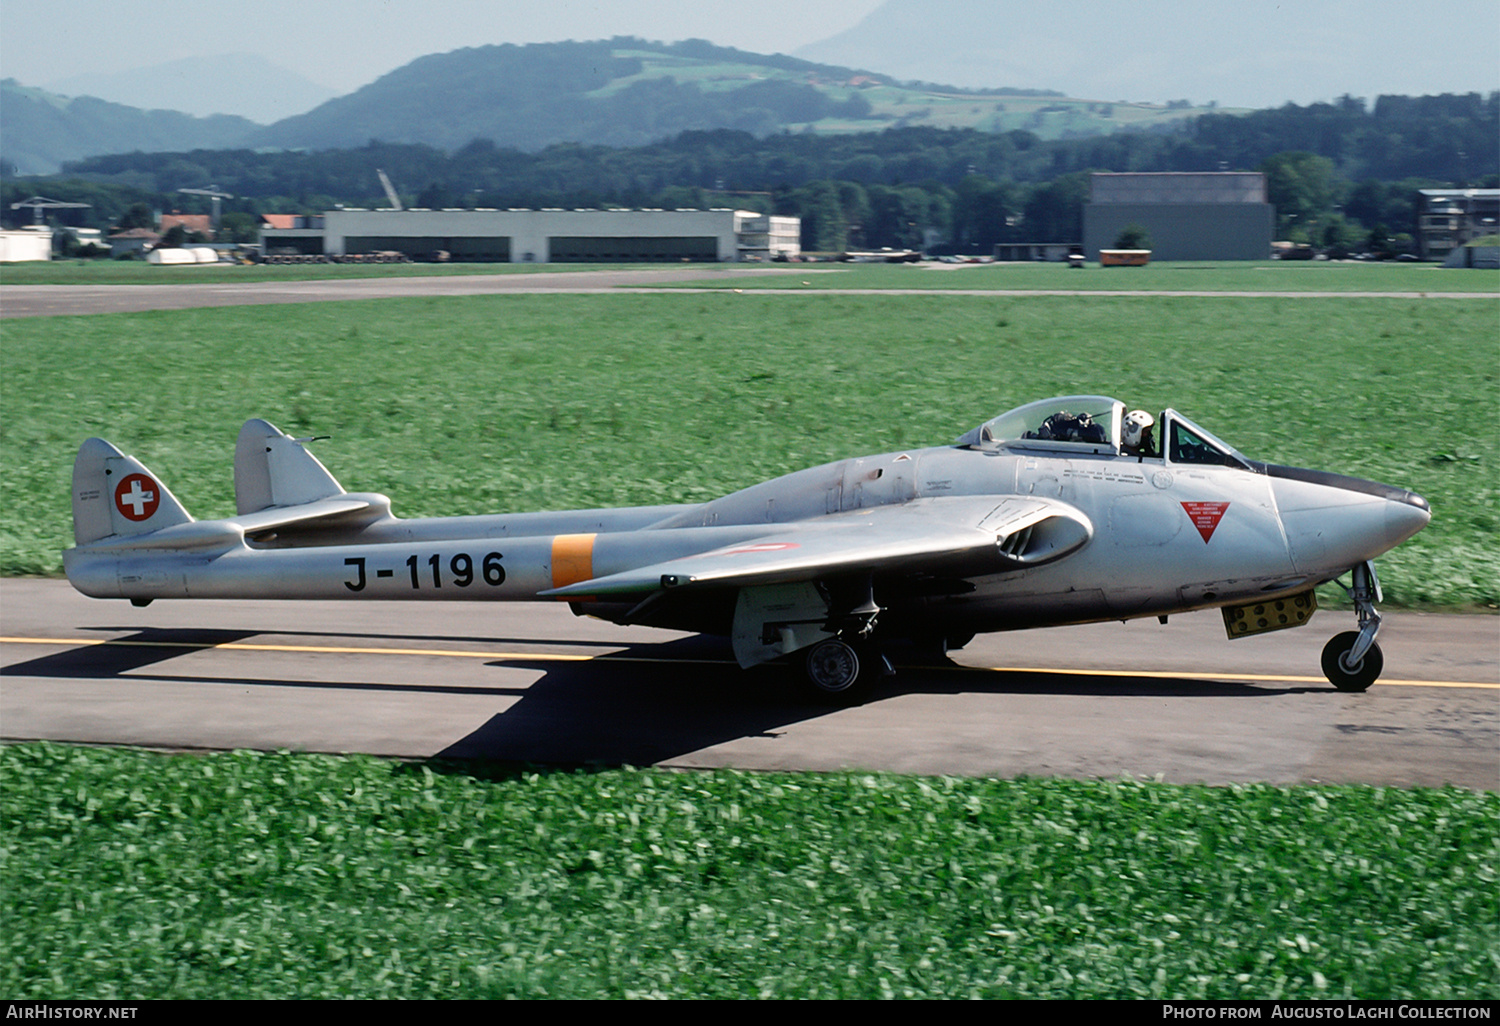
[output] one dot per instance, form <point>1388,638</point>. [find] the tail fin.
<point>274,469</point>
<point>115,495</point>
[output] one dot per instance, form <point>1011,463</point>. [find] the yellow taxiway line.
<point>557,657</point>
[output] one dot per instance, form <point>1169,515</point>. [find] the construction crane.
<point>390,190</point>
<point>40,203</point>
<point>213,191</point>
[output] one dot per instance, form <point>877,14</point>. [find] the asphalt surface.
<point>533,683</point>
<point>183,294</point>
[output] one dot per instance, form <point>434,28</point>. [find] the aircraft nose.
<point>1333,522</point>
<point>1410,515</point>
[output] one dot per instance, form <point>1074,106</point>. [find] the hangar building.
<point>1212,215</point>
<point>544,236</point>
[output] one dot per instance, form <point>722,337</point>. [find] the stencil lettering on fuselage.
<point>1206,516</point>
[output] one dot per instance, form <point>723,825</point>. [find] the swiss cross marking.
<point>136,497</point>
<point>1205,516</point>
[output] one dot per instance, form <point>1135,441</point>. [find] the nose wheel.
<point>1346,673</point>
<point>1351,660</point>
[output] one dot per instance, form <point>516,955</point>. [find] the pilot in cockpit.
<point>1063,426</point>
<point>1136,434</point>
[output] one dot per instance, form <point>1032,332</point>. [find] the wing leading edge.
<point>964,535</point>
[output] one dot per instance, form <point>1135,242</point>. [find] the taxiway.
<point>533,683</point>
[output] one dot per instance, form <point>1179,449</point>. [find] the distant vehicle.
<point>1063,511</point>
<point>885,255</point>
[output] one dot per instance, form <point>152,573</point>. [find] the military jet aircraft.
<point>1069,510</point>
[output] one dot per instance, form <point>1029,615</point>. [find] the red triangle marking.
<point>1205,516</point>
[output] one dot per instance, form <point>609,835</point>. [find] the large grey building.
<point>1210,215</point>
<point>545,236</point>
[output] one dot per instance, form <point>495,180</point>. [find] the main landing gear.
<point>843,671</point>
<point>1351,660</point>
<point>843,668</point>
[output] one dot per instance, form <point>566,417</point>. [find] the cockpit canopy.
<point>1074,423</point>
<point>1091,425</point>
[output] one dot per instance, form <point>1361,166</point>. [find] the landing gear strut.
<point>844,667</point>
<point>1351,660</point>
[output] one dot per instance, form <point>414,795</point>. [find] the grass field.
<point>133,875</point>
<point>503,403</point>
<point>1233,276</point>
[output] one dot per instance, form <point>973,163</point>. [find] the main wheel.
<point>840,672</point>
<point>1351,678</point>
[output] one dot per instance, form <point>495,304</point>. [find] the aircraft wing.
<point>962,535</point>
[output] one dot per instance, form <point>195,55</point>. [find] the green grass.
<point>1179,276</point>
<point>131,875</point>
<point>508,403</point>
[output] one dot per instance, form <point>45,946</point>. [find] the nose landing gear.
<point>1351,660</point>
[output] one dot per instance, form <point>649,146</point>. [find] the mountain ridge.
<point>618,92</point>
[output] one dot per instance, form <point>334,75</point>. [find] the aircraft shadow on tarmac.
<point>638,705</point>
<point>125,658</point>
<point>653,702</point>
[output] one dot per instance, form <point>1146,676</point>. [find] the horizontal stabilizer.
<point>119,504</point>
<point>223,534</point>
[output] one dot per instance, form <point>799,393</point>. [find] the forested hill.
<point>629,92</point>
<point>42,130</point>
<point>1440,139</point>
<point>620,92</point>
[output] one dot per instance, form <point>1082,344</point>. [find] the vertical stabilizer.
<point>115,495</point>
<point>274,469</point>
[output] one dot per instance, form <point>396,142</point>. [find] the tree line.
<point>1336,173</point>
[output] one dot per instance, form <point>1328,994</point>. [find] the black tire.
<point>1360,677</point>
<point>839,672</point>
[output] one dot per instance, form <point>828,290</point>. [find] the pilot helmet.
<point>1134,427</point>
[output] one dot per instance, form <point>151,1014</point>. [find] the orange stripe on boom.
<point>572,559</point>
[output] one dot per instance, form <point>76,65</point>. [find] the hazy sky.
<point>345,44</point>
<point>1237,52</point>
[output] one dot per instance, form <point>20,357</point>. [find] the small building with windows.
<point>543,236</point>
<point>133,242</point>
<point>1448,219</point>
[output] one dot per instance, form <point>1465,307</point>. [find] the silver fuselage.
<point>1166,537</point>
